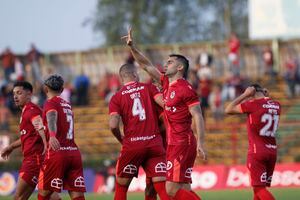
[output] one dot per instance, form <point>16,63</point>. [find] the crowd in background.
<point>213,93</point>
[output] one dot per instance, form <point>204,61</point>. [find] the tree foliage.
<point>170,21</point>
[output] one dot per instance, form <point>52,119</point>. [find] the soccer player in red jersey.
<point>32,140</point>
<point>62,167</point>
<point>181,105</point>
<point>262,123</point>
<point>142,145</point>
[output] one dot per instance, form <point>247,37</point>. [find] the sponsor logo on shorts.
<point>130,169</point>
<point>56,183</point>
<point>34,179</point>
<point>79,182</point>
<point>263,177</point>
<point>188,173</point>
<point>160,167</point>
<point>169,165</point>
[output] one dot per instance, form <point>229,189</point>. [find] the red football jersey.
<point>134,102</point>
<point>32,143</point>
<point>178,97</point>
<point>262,124</point>
<point>65,121</point>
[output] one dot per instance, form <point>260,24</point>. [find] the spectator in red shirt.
<point>234,50</point>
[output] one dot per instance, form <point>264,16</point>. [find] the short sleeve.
<point>114,105</point>
<point>190,96</point>
<point>34,112</point>
<point>154,91</point>
<point>247,107</point>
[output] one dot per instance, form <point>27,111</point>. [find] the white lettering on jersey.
<point>133,90</point>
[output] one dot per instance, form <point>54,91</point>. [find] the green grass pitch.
<point>242,194</point>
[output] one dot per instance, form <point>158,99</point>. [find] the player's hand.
<point>54,143</point>
<point>128,37</point>
<point>6,152</point>
<point>250,91</point>
<point>45,148</point>
<point>201,151</point>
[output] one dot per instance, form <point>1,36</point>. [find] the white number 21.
<point>269,120</point>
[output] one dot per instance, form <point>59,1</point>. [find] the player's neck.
<point>51,95</point>
<point>175,78</point>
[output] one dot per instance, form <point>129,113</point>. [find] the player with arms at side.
<point>32,139</point>
<point>262,123</point>
<point>142,145</point>
<point>181,105</point>
<point>62,167</point>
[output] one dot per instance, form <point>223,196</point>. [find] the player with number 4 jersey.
<point>62,168</point>
<point>262,123</point>
<point>142,143</point>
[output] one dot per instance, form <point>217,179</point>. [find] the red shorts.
<point>62,169</point>
<point>152,159</point>
<point>261,167</point>
<point>180,162</point>
<point>30,169</point>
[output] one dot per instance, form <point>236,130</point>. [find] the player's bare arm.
<point>234,106</point>
<point>114,122</point>
<point>159,100</point>
<point>9,149</point>
<point>196,113</point>
<point>52,127</point>
<point>37,122</point>
<point>141,59</point>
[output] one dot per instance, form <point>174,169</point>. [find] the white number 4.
<point>269,120</point>
<point>138,110</point>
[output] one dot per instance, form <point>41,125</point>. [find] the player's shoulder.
<point>31,107</point>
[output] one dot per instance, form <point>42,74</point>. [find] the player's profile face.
<point>20,95</point>
<point>170,67</point>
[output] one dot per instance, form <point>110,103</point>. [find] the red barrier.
<point>226,177</point>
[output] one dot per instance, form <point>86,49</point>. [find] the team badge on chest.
<point>172,95</point>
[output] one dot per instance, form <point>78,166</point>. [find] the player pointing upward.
<point>181,104</point>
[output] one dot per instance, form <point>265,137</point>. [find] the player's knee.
<point>171,189</point>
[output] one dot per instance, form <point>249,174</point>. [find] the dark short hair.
<point>126,68</point>
<point>257,87</point>
<point>55,82</point>
<point>184,61</point>
<point>25,84</point>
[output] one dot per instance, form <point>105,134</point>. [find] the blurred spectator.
<point>204,74</point>
<point>8,63</point>
<point>19,74</point>
<point>269,64</point>
<point>81,84</point>
<point>193,78</point>
<point>103,88</point>
<point>216,103</point>
<point>290,75</point>
<point>130,58</point>
<point>33,60</point>
<point>234,51</point>
<point>67,92</point>
<point>4,115</point>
